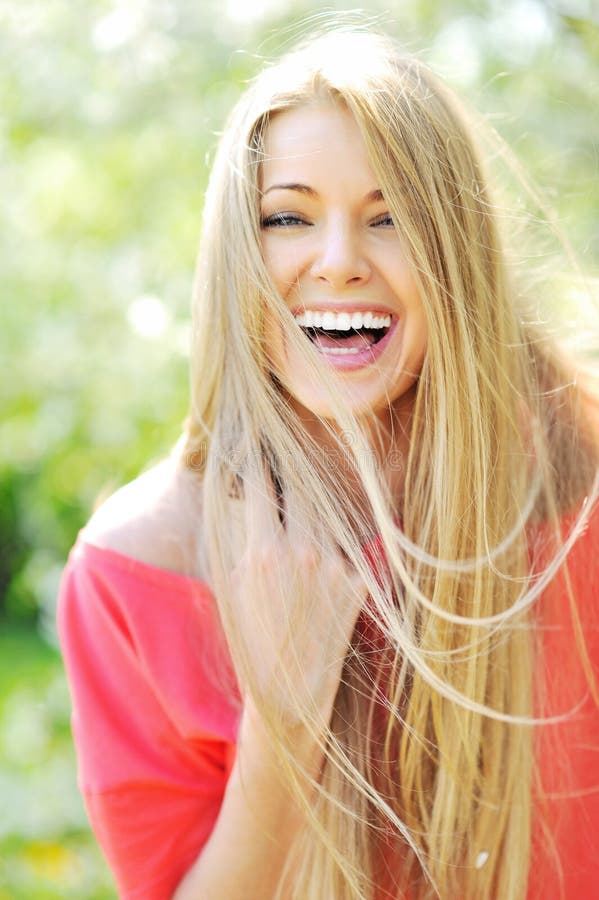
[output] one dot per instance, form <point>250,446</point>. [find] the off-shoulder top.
<point>156,713</point>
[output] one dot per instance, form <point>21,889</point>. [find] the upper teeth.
<point>330,321</point>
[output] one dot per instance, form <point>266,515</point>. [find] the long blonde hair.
<point>429,757</point>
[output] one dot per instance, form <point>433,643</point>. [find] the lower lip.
<point>347,362</point>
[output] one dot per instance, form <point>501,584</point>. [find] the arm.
<point>299,608</point>
<point>153,732</point>
<point>256,825</point>
<point>152,727</point>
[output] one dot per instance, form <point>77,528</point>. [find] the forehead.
<point>319,140</point>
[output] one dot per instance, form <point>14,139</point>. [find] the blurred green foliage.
<point>110,112</point>
<point>110,115</point>
<point>46,852</point>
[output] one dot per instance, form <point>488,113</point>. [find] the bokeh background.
<point>109,114</point>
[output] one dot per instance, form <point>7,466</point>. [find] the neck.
<point>388,433</point>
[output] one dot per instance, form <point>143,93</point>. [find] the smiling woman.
<point>334,256</point>
<point>342,645</point>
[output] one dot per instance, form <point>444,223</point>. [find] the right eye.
<point>282,220</point>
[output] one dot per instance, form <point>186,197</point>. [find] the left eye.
<point>282,220</point>
<point>385,221</point>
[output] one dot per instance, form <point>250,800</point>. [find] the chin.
<point>310,403</point>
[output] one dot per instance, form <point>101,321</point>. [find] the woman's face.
<point>332,251</point>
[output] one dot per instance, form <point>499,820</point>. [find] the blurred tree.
<point>110,115</point>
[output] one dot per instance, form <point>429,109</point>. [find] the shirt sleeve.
<point>565,848</point>
<point>154,718</point>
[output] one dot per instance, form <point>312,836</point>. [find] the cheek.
<point>415,337</point>
<point>272,262</point>
<point>420,332</point>
<point>418,343</point>
<point>282,264</point>
<point>273,341</point>
<point>269,327</point>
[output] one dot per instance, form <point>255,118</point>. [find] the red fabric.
<point>566,867</point>
<point>156,712</point>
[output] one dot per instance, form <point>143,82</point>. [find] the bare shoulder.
<point>154,519</point>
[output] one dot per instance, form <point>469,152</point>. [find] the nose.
<point>339,259</point>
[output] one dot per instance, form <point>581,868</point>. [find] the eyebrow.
<point>372,197</point>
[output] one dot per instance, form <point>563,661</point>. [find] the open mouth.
<point>353,341</point>
<point>344,334</point>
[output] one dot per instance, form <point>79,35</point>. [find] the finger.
<point>300,531</point>
<point>262,506</point>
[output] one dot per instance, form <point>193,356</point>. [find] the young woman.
<point>343,643</point>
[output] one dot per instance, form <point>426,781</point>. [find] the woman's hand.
<point>297,604</point>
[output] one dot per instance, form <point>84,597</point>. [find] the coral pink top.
<point>155,719</point>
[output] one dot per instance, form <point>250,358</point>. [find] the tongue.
<point>325,341</point>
